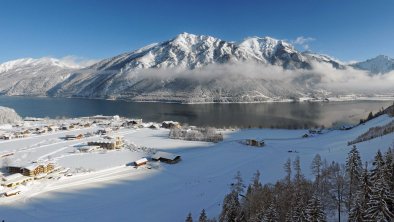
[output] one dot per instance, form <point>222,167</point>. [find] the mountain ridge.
<point>186,68</point>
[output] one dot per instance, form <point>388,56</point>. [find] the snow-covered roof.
<point>12,177</point>
<point>165,155</point>
<point>140,161</point>
<point>31,166</point>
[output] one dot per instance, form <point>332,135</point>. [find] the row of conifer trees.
<point>352,190</point>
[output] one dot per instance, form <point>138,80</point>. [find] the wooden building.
<point>140,162</point>
<point>166,157</point>
<point>32,170</point>
<point>253,142</point>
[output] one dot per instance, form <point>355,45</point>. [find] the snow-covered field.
<point>103,188</point>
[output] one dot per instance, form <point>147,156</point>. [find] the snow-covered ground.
<point>103,188</point>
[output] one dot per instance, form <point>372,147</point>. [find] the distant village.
<point>16,177</point>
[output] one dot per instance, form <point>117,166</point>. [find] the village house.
<point>14,180</point>
<point>32,169</point>
<point>166,157</point>
<point>110,143</point>
<point>140,162</point>
<point>7,136</point>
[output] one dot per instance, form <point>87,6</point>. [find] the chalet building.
<point>253,142</point>
<point>166,157</point>
<point>14,180</point>
<point>32,170</point>
<point>7,136</point>
<point>110,143</point>
<point>141,162</point>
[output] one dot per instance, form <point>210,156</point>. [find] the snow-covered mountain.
<point>32,76</point>
<point>186,68</point>
<point>123,76</point>
<point>379,64</point>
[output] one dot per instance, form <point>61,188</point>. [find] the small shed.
<point>141,162</point>
<point>254,142</point>
<point>166,157</point>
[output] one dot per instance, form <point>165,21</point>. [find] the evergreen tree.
<point>287,168</point>
<point>378,205</point>
<point>231,208</point>
<point>357,211</point>
<point>381,197</point>
<point>298,177</point>
<point>377,171</point>
<point>389,173</point>
<point>365,190</point>
<point>271,215</point>
<point>299,214</point>
<point>353,169</point>
<point>189,218</point>
<point>314,211</point>
<point>203,216</point>
<point>238,185</point>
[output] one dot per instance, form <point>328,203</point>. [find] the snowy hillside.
<point>379,64</point>
<point>102,182</point>
<point>8,116</point>
<point>32,76</point>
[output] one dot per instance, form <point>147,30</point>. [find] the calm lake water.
<point>282,115</point>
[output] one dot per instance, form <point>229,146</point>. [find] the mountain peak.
<point>379,64</point>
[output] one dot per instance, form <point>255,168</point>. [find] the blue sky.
<point>345,29</point>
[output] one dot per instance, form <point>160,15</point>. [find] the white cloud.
<point>77,61</point>
<point>303,41</point>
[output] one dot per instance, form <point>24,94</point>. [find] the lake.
<point>278,115</point>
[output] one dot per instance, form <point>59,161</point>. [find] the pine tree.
<point>377,171</point>
<point>203,216</point>
<point>378,206</point>
<point>298,210</point>
<point>271,215</point>
<point>356,213</point>
<point>381,197</point>
<point>238,185</point>
<point>314,211</point>
<point>365,190</point>
<point>353,169</point>
<point>231,208</point>
<point>189,218</point>
<point>298,177</point>
<point>389,173</point>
